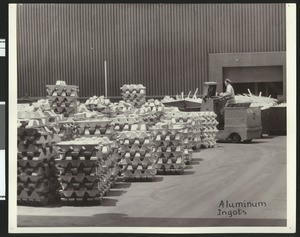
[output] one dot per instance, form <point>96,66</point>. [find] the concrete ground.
<point>232,173</point>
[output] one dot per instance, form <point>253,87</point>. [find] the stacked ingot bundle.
<point>209,129</point>
<point>66,129</point>
<point>122,123</point>
<point>98,126</point>
<point>153,106</point>
<point>122,106</point>
<point>52,117</point>
<point>37,183</point>
<point>169,148</point>
<point>134,94</point>
<point>126,123</point>
<point>194,122</point>
<point>148,118</point>
<point>151,111</point>
<point>85,169</point>
<point>63,98</point>
<point>188,132</point>
<point>97,103</point>
<point>42,104</point>
<point>137,161</point>
<point>101,104</point>
<point>204,127</point>
<point>196,142</point>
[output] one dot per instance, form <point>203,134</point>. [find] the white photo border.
<point>291,150</point>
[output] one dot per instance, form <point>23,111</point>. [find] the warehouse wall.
<point>162,46</point>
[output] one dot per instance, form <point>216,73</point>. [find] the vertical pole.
<point>105,75</point>
<point>256,88</point>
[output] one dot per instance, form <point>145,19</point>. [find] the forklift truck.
<point>236,123</point>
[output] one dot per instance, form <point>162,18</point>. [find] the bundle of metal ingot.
<point>53,118</point>
<point>137,161</point>
<point>151,112</point>
<point>148,115</point>
<point>209,129</point>
<point>169,148</point>
<point>86,171</point>
<point>153,106</point>
<point>122,123</point>
<point>194,121</point>
<point>98,127</point>
<point>134,94</point>
<point>100,104</point>
<point>63,98</point>
<point>122,107</point>
<point>60,125</point>
<point>196,142</point>
<point>189,126</point>
<point>37,182</point>
<point>66,129</point>
<point>42,104</point>
<point>57,123</point>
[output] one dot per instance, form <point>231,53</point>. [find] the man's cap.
<point>228,80</point>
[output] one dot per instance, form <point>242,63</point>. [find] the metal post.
<point>105,75</point>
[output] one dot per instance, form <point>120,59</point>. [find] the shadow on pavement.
<point>265,136</point>
<point>122,185</point>
<point>253,142</point>
<point>122,220</point>
<point>108,202</point>
<point>115,193</point>
<point>195,162</point>
<point>158,179</point>
<point>188,172</point>
<point>58,204</point>
<point>196,159</point>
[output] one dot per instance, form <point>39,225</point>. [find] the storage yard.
<point>108,140</point>
<point>191,199</point>
<point>131,164</point>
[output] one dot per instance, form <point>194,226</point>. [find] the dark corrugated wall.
<point>162,46</point>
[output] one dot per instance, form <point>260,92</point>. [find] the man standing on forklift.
<point>229,94</point>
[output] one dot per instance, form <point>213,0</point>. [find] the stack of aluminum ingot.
<point>122,107</point>
<point>209,129</point>
<point>151,112</point>
<point>153,106</point>
<point>63,98</point>
<point>85,169</point>
<point>194,121</point>
<point>197,130</point>
<point>66,129</point>
<point>204,130</point>
<point>100,104</point>
<point>134,94</point>
<point>42,104</point>
<point>99,126</point>
<point>137,162</point>
<point>188,132</point>
<point>37,183</point>
<point>122,123</point>
<point>169,148</point>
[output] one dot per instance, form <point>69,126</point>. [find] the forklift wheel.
<point>235,138</point>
